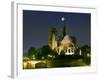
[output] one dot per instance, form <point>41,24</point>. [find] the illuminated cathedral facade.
<point>63,43</point>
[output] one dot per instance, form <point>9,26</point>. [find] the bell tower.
<point>54,42</point>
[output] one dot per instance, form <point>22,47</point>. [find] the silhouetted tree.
<point>85,49</point>
<point>46,50</point>
<point>31,51</point>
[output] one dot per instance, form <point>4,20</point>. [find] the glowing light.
<point>42,58</point>
<point>33,57</point>
<point>62,18</point>
<point>80,52</point>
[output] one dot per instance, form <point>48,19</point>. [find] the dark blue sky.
<point>37,24</point>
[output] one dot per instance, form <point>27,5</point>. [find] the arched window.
<point>66,50</point>
<point>69,50</point>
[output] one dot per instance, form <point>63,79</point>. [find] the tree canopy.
<point>31,51</point>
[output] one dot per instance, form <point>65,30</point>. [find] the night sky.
<point>37,24</point>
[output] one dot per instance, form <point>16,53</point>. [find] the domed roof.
<point>67,37</point>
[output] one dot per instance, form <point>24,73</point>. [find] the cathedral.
<point>64,43</point>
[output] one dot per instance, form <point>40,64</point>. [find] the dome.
<point>66,40</point>
<point>67,37</point>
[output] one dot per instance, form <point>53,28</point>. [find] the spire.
<point>63,30</point>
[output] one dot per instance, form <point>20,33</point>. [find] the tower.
<point>52,38</point>
<point>54,42</point>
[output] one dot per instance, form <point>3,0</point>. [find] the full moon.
<point>62,18</point>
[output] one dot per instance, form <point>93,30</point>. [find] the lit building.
<point>54,42</point>
<point>66,46</point>
<point>63,44</point>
